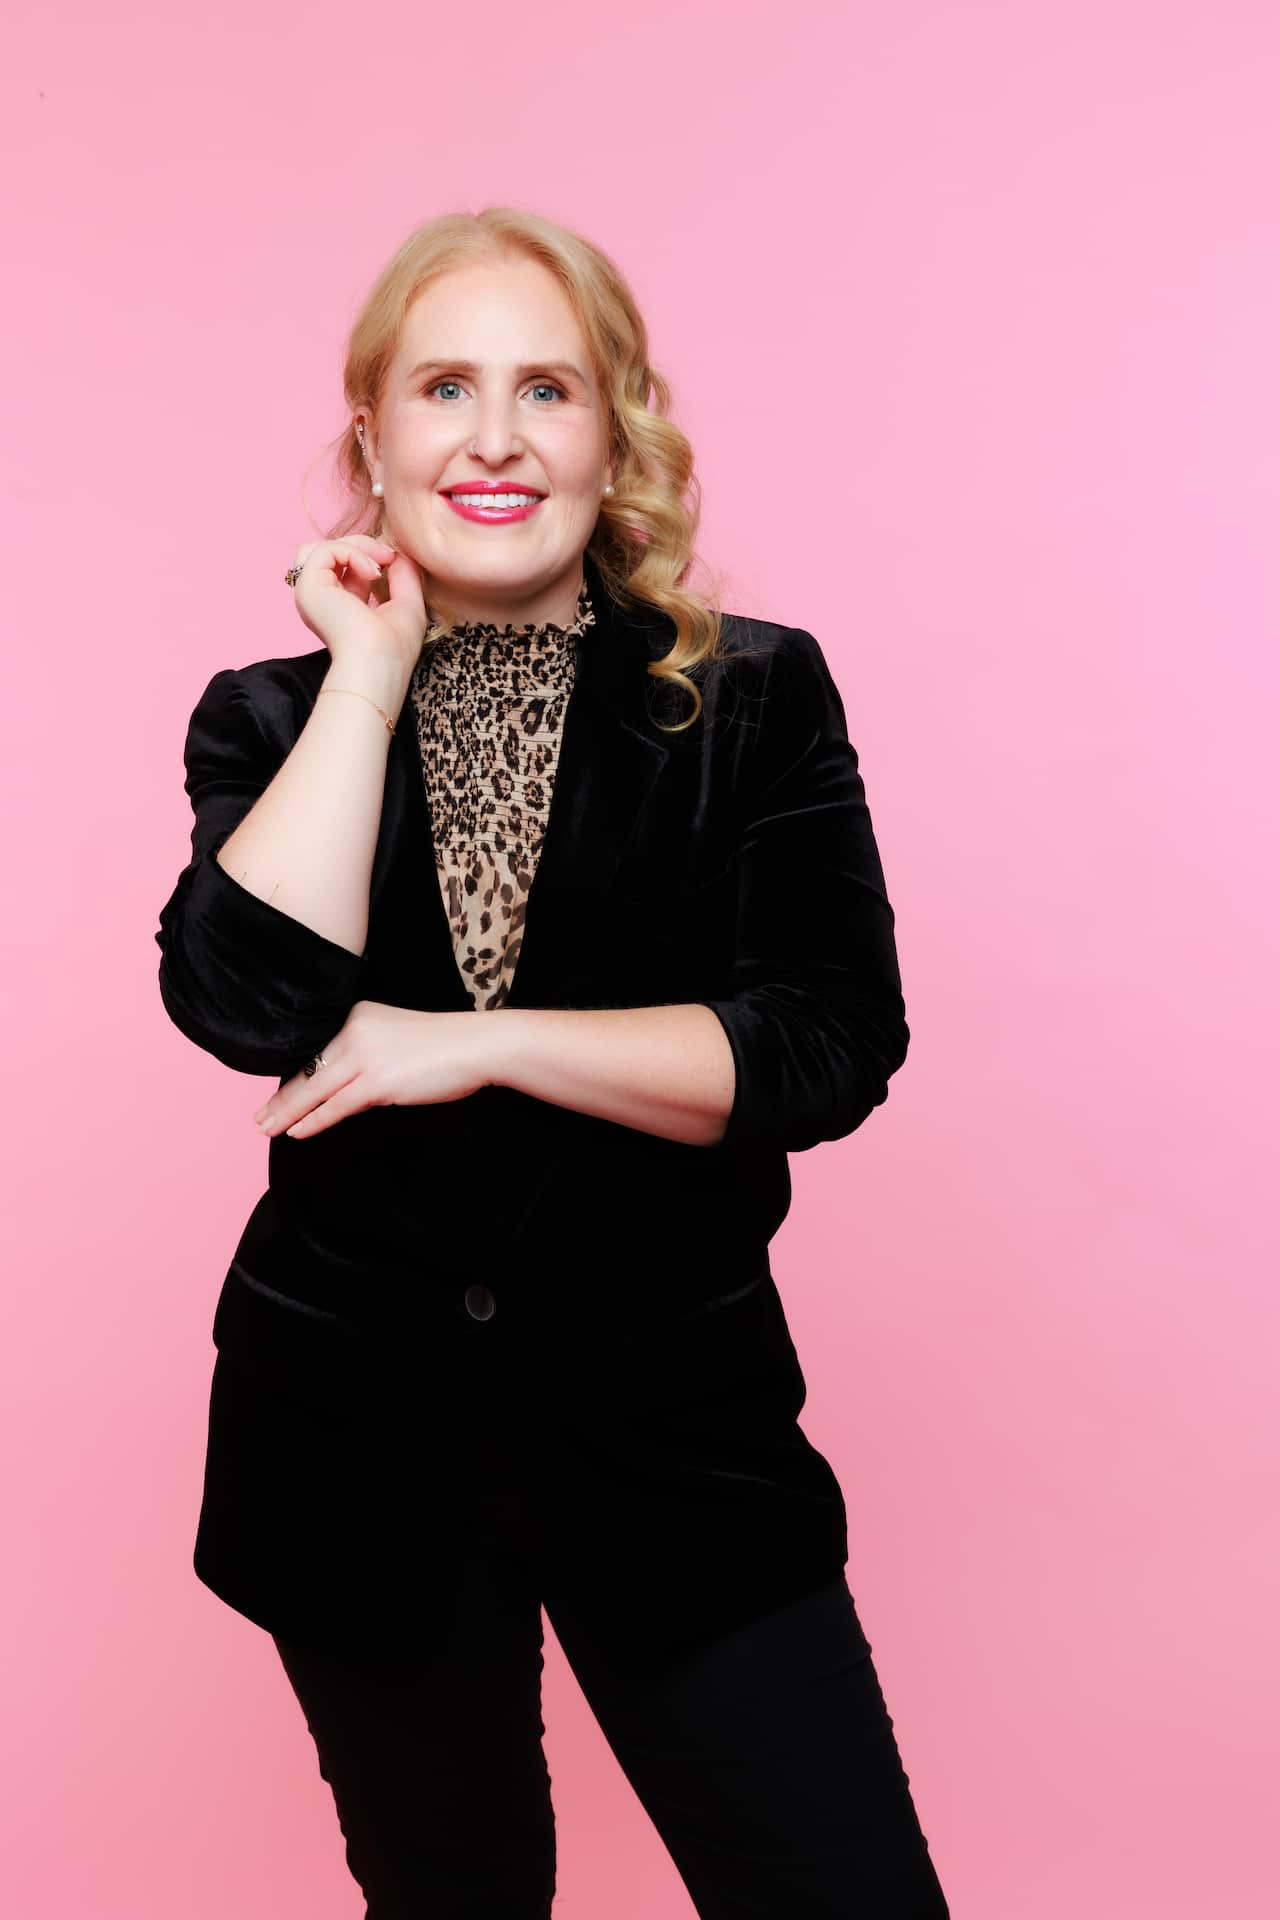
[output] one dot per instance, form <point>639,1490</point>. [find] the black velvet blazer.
<point>734,865</point>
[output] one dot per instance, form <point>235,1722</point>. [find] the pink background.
<point>971,312</point>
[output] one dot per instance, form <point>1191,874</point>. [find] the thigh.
<point>433,1752</point>
<point>768,1764</point>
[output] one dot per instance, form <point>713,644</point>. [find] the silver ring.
<point>318,1061</point>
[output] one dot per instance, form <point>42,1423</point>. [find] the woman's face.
<point>492,381</point>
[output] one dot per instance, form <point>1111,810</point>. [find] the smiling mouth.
<point>496,508</point>
<point>493,496</point>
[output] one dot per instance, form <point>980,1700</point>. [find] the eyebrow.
<point>470,366</point>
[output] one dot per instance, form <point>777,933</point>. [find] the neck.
<point>557,605</point>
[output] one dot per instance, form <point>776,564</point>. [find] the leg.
<point>434,1756</point>
<point>768,1764</point>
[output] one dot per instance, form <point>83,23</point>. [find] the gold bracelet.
<point>390,723</point>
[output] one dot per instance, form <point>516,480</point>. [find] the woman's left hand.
<point>383,1057</point>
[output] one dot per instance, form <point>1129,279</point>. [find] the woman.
<point>502,1333</point>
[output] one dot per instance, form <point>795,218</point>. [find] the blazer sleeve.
<point>254,987</point>
<point>814,1011</point>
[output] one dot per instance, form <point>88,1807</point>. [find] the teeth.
<point>496,499</point>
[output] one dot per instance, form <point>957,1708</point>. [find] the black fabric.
<point>676,1485</point>
<point>733,865</point>
<point>765,1757</point>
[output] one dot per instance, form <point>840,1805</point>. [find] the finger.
<point>298,1095</point>
<point>404,579</point>
<point>335,571</point>
<point>343,554</point>
<point>327,553</point>
<point>345,1101</point>
<point>358,573</point>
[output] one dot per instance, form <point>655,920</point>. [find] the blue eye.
<point>548,386</point>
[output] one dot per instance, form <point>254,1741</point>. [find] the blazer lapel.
<point>610,760</point>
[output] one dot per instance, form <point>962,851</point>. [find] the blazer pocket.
<point>728,1356</point>
<point>306,1354</point>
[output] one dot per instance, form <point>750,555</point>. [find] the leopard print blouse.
<point>490,705</point>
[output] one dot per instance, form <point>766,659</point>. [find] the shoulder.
<point>282,675</point>
<point>758,651</point>
<point>278,692</point>
<point>776,670</point>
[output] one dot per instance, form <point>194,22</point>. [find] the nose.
<point>493,433</point>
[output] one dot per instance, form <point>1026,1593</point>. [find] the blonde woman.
<point>548,894</point>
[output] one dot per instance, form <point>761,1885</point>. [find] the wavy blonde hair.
<point>643,538</point>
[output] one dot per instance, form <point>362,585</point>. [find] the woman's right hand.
<point>332,597</point>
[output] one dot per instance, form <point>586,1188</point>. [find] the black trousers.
<point>765,1758</point>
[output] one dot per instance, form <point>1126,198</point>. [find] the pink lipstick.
<point>470,507</point>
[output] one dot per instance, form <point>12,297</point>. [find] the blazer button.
<point>481,1304</point>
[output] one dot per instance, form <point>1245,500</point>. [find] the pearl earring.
<point>609,488</point>
<point>376,489</point>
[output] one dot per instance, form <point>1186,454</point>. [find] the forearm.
<point>307,844</point>
<point>663,1070</point>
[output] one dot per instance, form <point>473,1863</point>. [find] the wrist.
<point>382,681</point>
<point>503,1033</point>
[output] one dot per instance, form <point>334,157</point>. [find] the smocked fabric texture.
<point>489,703</point>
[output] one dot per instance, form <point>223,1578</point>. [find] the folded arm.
<point>801,1045</point>
<point>664,1070</point>
<point>257,988</point>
